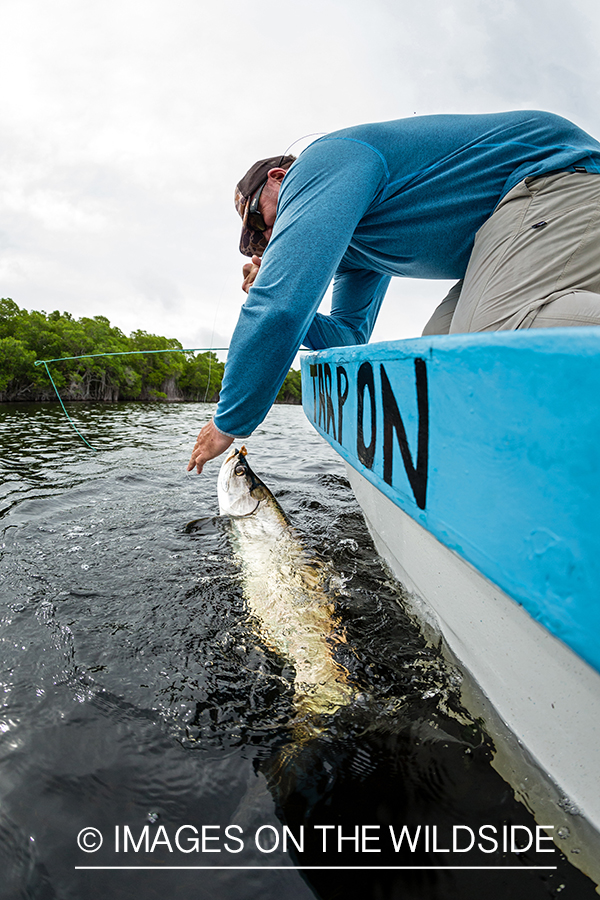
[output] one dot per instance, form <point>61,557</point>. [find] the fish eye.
<point>240,470</point>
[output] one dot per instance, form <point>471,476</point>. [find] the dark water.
<point>135,691</point>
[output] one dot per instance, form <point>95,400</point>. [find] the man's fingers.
<point>195,465</point>
<point>250,277</point>
<point>209,444</point>
<point>198,457</point>
<point>250,271</point>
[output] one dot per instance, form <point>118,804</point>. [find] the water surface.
<point>136,690</point>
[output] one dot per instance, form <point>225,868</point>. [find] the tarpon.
<point>286,590</point>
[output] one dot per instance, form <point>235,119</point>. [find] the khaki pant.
<point>535,262</point>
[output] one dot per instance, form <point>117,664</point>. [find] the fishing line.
<point>208,378</point>
<point>44,362</point>
<point>212,337</point>
<point>297,141</point>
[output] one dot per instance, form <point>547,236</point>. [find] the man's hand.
<point>250,271</point>
<point>209,444</point>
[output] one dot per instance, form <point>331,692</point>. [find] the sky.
<point>125,125</point>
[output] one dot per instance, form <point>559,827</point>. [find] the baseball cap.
<point>253,242</point>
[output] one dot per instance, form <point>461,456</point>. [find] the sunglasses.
<point>255,219</point>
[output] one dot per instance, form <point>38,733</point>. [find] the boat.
<point>476,461</point>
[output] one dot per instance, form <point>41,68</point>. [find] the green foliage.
<point>158,372</point>
<point>16,361</point>
<point>291,389</point>
<point>202,377</point>
<point>27,336</point>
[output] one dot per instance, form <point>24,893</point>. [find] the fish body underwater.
<point>286,590</point>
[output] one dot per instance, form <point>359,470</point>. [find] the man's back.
<point>430,182</point>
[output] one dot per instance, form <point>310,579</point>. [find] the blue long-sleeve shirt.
<point>363,204</point>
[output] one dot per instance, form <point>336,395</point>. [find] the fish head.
<point>239,489</point>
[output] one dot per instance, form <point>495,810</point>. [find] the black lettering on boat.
<point>314,375</point>
<point>342,395</point>
<point>365,381</point>
<point>328,380</point>
<point>320,417</point>
<point>392,421</point>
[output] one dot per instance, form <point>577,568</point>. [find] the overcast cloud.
<point>125,125</point>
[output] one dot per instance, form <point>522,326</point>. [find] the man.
<point>508,203</point>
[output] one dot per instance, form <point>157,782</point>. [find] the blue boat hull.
<point>476,461</point>
<point>492,443</point>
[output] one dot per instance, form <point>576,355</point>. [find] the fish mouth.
<point>241,452</point>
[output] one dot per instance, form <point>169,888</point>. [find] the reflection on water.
<point>137,692</point>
